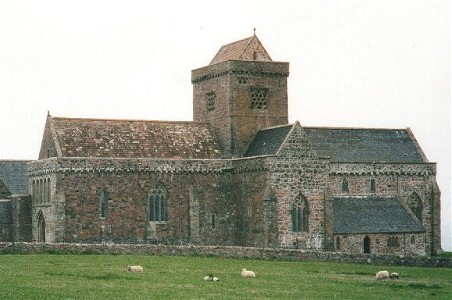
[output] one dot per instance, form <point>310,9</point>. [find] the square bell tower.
<point>241,91</point>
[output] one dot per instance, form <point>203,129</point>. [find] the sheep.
<point>135,269</point>
<point>211,278</point>
<point>394,275</point>
<point>246,273</point>
<point>382,275</point>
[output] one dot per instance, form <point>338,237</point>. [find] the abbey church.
<point>238,174</point>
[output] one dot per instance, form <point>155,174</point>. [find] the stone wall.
<point>217,197</point>
<point>222,251</point>
<point>410,244</point>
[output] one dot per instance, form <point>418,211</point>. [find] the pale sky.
<point>383,64</point>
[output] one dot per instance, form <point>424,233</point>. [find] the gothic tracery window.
<point>158,204</point>
<point>300,215</point>
<point>415,204</point>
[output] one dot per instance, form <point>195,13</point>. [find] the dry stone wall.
<point>223,251</point>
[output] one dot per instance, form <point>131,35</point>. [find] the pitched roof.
<point>372,214</point>
<point>13,174</point>
<point>135,138</point>
<point>250,49</point>
<point>268,141</point>
<point>365,145</point>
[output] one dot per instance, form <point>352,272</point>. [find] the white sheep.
<point>394,275</point>
<point>135,269</point>
<point>382,275</point>
<point>211,278</point>
<point>246,273</point>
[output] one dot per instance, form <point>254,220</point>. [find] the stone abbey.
<point>238,174</point>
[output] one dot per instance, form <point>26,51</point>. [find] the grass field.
<point>171,277</point>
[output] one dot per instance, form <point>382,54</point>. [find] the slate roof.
<point>372,214</point>
<point>13,174</point>
<point>247,49</point>
<point>365,145</point>
<point>268,141</point>
<point>135,139</point>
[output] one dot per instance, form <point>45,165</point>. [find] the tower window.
<point>210,101</point>
<point>243,80</point>
<point>258,97</point>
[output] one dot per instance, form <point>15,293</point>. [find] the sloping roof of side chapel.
<point>372,214</point>
<point>102,138</point>
<point>247,49</point>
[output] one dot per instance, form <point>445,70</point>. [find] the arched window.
<point>300,214</point>
<point>103,203</point>
<point>338,243</point>
<point>366,246</point>
<point>41,236</point>
<point>415,204</point>
<point>345,185</point>
<point>49,190</point>
<point>158,204</point>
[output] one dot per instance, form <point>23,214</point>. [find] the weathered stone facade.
<point>239,175</point>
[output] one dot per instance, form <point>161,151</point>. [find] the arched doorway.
<point>366,244</point>
<point>41,228</point>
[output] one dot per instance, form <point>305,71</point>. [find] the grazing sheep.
<point>135,269</point>
<point>394,275</point>
<point>246,273</point>
<point>211,278</point>
<point>382,275</point>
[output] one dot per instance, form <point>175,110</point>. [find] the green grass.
<point>171,277</point>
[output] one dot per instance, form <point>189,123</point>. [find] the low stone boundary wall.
<point>222,251</point>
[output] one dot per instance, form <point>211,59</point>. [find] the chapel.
<point>238,174</point>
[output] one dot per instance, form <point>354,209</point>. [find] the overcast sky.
<point>383,64</point>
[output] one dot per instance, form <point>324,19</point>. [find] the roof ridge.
<point>352,128</point>
<point>277,126</point>
<point>236,42</point>
<point>126,120</point>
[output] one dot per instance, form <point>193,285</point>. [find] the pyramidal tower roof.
<point>250,49</point>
